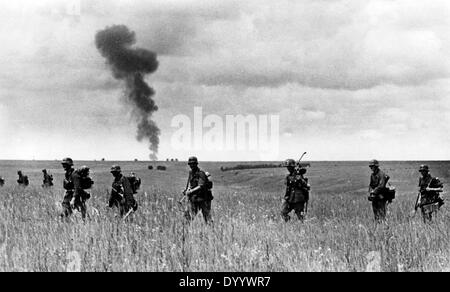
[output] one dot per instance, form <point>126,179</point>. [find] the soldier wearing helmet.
<point>48,179</point>
<point>197,192</point>
<point>23,179</point>
<point>429,198</point>
<point>74,197</point>
<point>377,191</point>
<point>121,193</point>
<point>297,191</point>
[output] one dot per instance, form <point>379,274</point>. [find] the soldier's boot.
<point>285,217</point>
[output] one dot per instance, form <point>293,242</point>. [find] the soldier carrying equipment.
<point>48,179</point>
<point>23,179</point>
<point>86,181</point>
<point>122,193</point>
<point>198,191</point>
<point>297,191</point>
<point>75,184</point>
<point>429,199</point>
<point>379,194</point>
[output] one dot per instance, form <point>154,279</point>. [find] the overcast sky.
<point>350,80</point>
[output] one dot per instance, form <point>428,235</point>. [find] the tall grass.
<point>247,235</point>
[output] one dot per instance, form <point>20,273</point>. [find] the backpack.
<point>208,182</point>
<point>208,186</point>
<point>135,183</point>
<point>389,193</point>
<point>86,181</point>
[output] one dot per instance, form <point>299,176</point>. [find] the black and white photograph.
<point>223,142</point>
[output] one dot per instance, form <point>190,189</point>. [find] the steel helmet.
<point>374,162</point>
<point>424,167</point>
<point>116,168</point>
<point>290,162</point>
<point>67,161</point>
<point>193,160</point>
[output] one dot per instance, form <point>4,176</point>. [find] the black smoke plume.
<point>131,65</point>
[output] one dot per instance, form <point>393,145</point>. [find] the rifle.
<point>128,214</point>
<point>184,192</point>
<point>297,169</point>
<point>417,204</point>
<point>299,166</point>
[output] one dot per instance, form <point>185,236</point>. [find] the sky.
<point>348,79</point>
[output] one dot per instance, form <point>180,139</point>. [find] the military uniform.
<point>201,199</point>
<point>296,196</point>
<point>122,195</point>
<point>23,180</point>
<point>74,191</point>
<point>48,180</point>
<point>2,181</point>
<point>378,181</point>
<point>430,201</point>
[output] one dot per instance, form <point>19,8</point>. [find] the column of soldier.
<point>198,191</point>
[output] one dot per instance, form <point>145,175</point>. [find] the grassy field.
<point>247,235</point>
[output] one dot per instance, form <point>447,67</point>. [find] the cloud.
<point>338,45</point>
<point>334,71</point>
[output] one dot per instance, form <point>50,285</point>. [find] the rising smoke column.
<point>131,65</point>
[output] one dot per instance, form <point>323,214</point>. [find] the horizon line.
<point>237,161</point>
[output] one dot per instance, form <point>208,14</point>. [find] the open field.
<point>248,233</point>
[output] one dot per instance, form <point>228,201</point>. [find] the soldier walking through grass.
<point>75,196</point>
<point>297,191</point>
<point>429,199</point>
<point>23,179</point>
<point>377,191</point>
<point>198,192</point>
<point>122,193</point>
<point>48,179</point>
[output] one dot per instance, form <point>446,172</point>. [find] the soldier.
<point>122,193</point>
<point>377,190</point>
<point>23,179</point>
<point>297,191</point>
<point>198,193</point>
<point>2,181</point>
<point>429,199</point>
<point>48,179</point>
<point>74,197</point>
